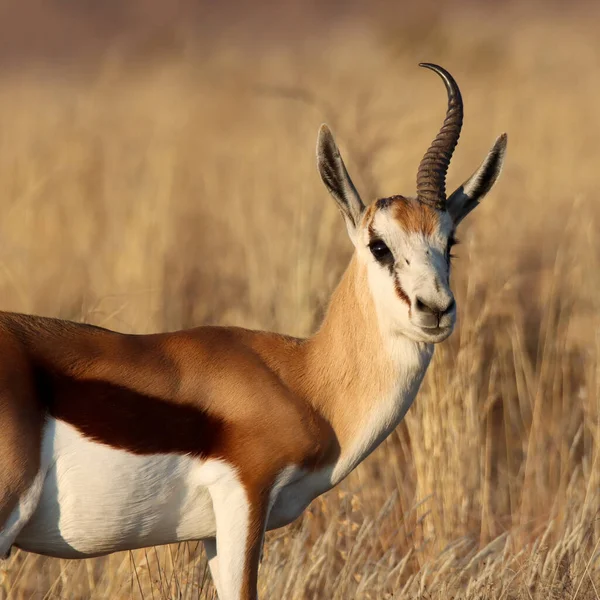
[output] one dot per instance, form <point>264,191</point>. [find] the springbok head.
<point>405,242</point>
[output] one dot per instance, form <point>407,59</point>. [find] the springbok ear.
<point>336,179</point>
<point>472,191</point>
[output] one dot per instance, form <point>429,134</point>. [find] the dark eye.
<point>380,251</point>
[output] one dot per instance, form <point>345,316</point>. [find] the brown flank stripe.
<point>127,419</point>
<point>192,392</point>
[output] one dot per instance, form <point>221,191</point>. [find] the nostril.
<point>449,307</point>
<point>433,308</point>
<point>423,307</point>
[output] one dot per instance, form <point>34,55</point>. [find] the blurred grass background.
<point>157,172</point>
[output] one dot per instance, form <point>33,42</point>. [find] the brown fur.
<point>209,391</point>
<point>412,215</point>
<point>21,424</point>
<point>261,401</point>
<point>416,217</point>
<point>339,366</point>
<point>259,501</point>
<point>203,392</point>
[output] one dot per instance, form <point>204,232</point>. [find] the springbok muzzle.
<point>433,308</point>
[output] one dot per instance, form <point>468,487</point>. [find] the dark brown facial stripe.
<point>400,291</point>
<point>129,420</point>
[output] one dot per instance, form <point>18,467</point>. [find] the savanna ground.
<point>171,183</point>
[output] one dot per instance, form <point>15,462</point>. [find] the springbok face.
<point>405,242</point>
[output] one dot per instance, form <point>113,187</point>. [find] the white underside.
<point>90,499</point>
<point>97,499</point>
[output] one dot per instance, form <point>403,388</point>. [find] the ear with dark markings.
<point>469,194</point>
<point>336,179</point>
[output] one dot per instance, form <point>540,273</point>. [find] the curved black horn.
<point>431,177</point>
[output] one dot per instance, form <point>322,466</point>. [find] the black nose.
<point>432,308</point>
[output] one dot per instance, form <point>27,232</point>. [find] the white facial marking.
<point>412,296</point>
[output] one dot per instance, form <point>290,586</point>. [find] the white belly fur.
<point>97,499</point>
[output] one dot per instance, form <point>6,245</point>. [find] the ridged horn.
<point>431,177</point>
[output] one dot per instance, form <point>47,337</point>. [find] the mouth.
<point>436,334</point>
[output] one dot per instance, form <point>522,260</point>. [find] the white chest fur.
<point>296,488</point>
<point>380,416</point>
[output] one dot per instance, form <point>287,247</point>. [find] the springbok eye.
<point>380,251</point>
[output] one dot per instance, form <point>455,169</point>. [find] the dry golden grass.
<point>176,186</point>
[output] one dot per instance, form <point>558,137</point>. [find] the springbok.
<point>113,442</point>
